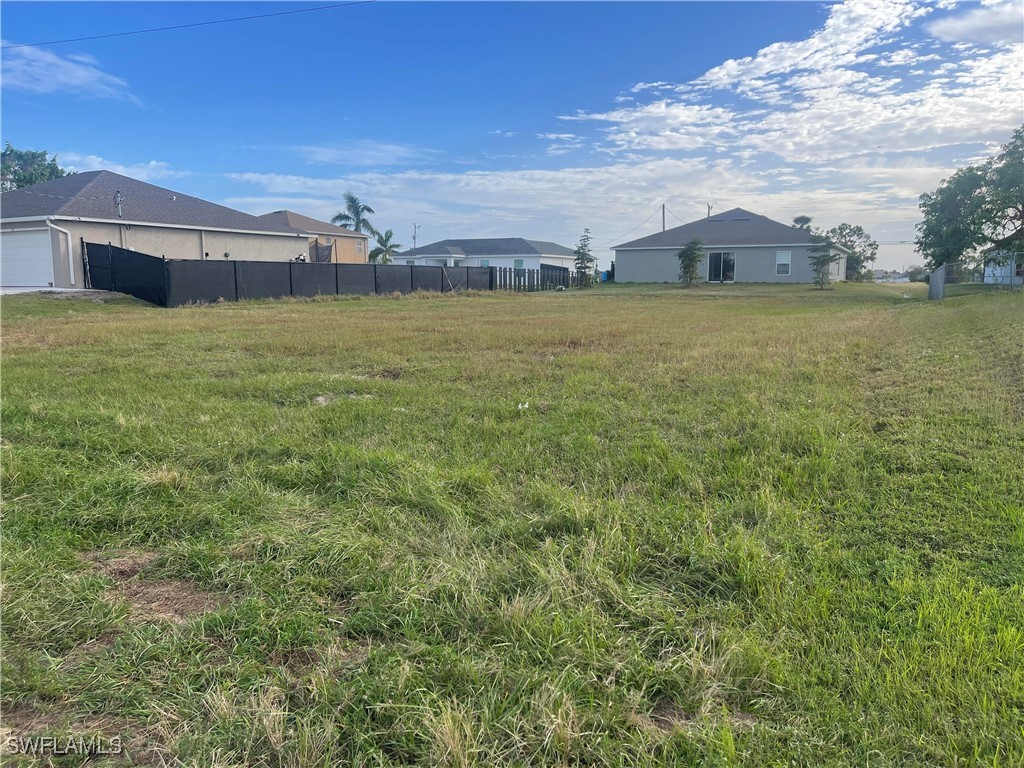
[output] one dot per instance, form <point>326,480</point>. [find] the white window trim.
<point>788,263</point>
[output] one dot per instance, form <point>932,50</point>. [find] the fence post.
<point>110,261</point>
<point>937,284</point>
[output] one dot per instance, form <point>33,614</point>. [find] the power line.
<point>634,229</point>
<point>188,26</point>
<point>676,217</point>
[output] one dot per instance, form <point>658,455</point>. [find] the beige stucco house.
<point>327,242</point>
<point>43,228</point>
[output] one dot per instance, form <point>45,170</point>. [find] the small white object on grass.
<point>524,406</point>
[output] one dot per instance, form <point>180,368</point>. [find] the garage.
<point>26,259</point>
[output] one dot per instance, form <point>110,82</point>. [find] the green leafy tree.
<point>863,249</point>
<point>802,222</point>
<point>354,216</point>
<point>23,168</point>
<point>385,251</point>
<point>821,256</point>
<point>585,261</point>
<point>690,256</point>
<point>978,206</point>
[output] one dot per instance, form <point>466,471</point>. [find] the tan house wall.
<point>169,242</point>
<point>345,250</point>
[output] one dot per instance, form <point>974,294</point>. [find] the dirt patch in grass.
<point>667,716</point>
<point>97,297</point>
<point>128,743</point>
<point>171,600</point>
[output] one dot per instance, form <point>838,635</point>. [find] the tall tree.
<point>385,251</point>
<point>863,249</point>
<point>584,259</point>
<point>23,168</point>
<point>354,216</point>
<point>690,256</point>
<point>802,222</point>
<point>978,206</point>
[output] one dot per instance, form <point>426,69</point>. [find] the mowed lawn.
<point>751,525</point>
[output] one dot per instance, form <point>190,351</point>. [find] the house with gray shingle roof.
<point>45,225</point>
<point>515,252</point>
<point>739,247</point>
<point>327,242</point>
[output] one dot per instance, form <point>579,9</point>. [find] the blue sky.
<point>527,119</point>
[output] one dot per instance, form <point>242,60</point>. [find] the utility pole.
<point>663,217</point>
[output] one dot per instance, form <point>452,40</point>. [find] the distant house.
<point>44,226</point>
<point>515,252</point>
<point>739,247</point>
<point>1003,267</point>
<point>327,242</point>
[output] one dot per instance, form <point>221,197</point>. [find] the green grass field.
<point>754,525</point>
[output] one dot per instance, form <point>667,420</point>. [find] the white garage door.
<point>25,259</point>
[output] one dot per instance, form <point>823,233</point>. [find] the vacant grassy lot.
<point>752,526</point>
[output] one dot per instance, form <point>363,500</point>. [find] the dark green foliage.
<point>384,252</point>
<point>822,255</point>
<point>24,167</point>
<point>585,260</point>
<point>863,249</point>
<point>978,206</point>
<point>690,256</point>
<point>354,216</point>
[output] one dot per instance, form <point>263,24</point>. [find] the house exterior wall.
<point>344,250</point>
<point>58,252</point>
<point>753,265</point>
<point>1010,273</point>
<point>160,241</point>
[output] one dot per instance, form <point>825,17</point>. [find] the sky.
<point>526,119</point>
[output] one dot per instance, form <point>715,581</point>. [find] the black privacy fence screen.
<point>174,282</point>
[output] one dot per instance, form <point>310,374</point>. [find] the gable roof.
<point>491,246</point>
<point>735,227</point>
<point>90,195</point>
<point>307,225</point>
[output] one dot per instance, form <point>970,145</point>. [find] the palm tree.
<point>354,216</point>
<point>800,222</point>
<point>385,251</point>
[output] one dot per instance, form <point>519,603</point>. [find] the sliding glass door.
<point>721,267</point>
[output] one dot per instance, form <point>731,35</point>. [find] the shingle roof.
<point>90,195</point>
<point>307,225</point>
<point>735,227</point>
<point>492,246</point>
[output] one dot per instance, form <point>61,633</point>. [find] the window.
<point>410,262</point>
<point>1018,270</point>
<point>783,262</point>
<point>519,264</point>
<point>721,267</point>
<point>328,240</point>
<point>485,262</point>
<point>359,246</point>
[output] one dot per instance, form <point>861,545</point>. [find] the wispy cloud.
<point>364,152</point>
<point>37,70</point>
<point>987,25</point>
<point>503,134</point>
<point>152,170</point>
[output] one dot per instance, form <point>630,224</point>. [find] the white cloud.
<point>152,170</point>
<point>36,70</point>
<point>363,152</point>
<point>998,23</point>
<point>557,136</point>
<point>503,134</point>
